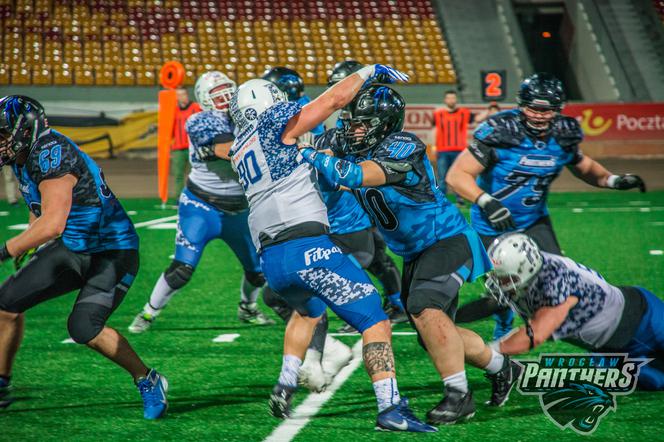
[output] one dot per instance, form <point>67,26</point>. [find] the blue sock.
<point>395,299</point>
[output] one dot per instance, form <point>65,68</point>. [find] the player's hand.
<point>498,215</point>
<point>24,257</point>
<point>205,152</point>
<point>385,74</point>
<point>628,181</point>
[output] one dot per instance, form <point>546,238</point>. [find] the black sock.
<point>479,309</point>
<point>318,340</point>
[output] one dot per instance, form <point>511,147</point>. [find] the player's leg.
<point>648,342</point>
<point>53,271</point>
<point>383,267</point>
<point>198,224</point>
<point>235,233</point>
<point>348,291</point>
<point>108,278</point>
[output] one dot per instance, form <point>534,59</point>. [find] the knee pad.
<point>178,274</point>
<point>255,278</point>
<point>86,321</point>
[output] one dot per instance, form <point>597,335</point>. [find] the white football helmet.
<point>516,262</point>
<point>252,99</point>
<point>214,91</point>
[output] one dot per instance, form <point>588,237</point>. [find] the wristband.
<point>484,199</point>
<point>4,253</point>
<point>611,181</point>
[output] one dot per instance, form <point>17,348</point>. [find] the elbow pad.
<point>338,171</point>
<point>399,173</point>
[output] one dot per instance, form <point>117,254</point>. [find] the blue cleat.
<point>504,322</point>
<point>153,390</point>
<point>400,418</point>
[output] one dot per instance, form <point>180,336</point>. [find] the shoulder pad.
<point>567,131</point>
<point>501,130</point>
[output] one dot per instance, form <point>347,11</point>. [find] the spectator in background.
<point>180,146</point>
<point>10,186</point>
<point>492,109</point>
<point>451,124</point>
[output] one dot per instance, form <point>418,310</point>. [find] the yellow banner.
<point>135,131</point>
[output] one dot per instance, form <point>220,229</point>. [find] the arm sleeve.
<point>334,169</point>
<point>484,154</point>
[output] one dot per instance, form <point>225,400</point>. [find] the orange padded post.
<point>171,76</point>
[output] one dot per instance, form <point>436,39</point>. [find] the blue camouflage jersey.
<point>343,210</point>
<point>411,218</point>
<point>519,168</point>
<point>96,221</point>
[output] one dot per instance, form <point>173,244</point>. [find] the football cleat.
<point>141,323</point>
<point>153,390</point>
<point>311,375</point>
<point>504,322</point>
<point>280,401</point>
<point>5,393</point>
<point>455,407</point>
<point>399,417</point>
<point>502,382</point>
<point>335,356</point>
<point>250,314</point>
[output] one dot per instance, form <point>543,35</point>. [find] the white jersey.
<point>280,186</point>
<point>595,317</point>
<point>216,177</point>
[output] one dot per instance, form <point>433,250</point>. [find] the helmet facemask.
<point>360,133</point>
<point>538,118</point>
<point>508,290</point>
<point>221,96</point>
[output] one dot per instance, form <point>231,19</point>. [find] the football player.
<point>212,206</point>
<point>289,225</point>
<point>392,178</point>
<point>509,166</point>
<point>562,299</point>
<point>87,243</point>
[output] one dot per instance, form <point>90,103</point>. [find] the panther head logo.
<point>580,406</point>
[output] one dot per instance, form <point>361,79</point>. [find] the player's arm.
<point>597,175</point>
<point>56,195</point>
<point>463,174</point>
<point>462,178</point>
<point>545,321</point>
<point>333,99</point>
<point>368,173</point>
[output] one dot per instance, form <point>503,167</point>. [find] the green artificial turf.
<point>219,390</point>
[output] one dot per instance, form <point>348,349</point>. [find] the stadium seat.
<point>127,42</point>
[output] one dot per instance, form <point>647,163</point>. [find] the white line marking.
<point>618,209</point>
<point>228,337</point>
<point>132,212</point>
<point>289,428</point>
<point>3,213</point>
<point>638,203</point>
<point>657,223</point>
<point>657,252</point>
<point>164,226</point>
<point>68,341</point>
<point>156,221</point>
<point>18,227</point>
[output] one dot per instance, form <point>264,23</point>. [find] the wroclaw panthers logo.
<point>580,406</point>
<point>577,390</point>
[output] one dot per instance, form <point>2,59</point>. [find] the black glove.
<point>627,181</point>
<point>498,215</point>
<point>4,253</point>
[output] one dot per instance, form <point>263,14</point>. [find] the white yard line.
<point>156,221</point>
<point>616,209</point>
<point>289,428</point>
<point>227,337</point>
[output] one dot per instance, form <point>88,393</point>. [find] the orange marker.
<point>171,76</point>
